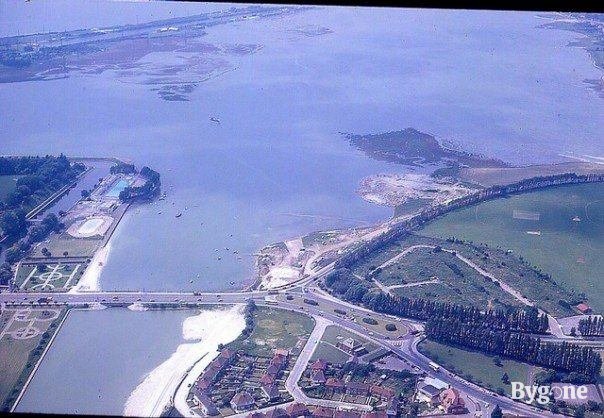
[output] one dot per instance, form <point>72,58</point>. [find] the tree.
<point>505,378</point>
<point>65,253</point>
<point>497,413</point>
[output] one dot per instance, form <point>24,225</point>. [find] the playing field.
<point>565,240</point>
<point>477,367</point>
<point>48,277</point>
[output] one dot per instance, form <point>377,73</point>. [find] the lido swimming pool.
<point>117,188</point>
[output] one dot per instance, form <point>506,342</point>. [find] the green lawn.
<point>330,353</point>
<point>275,328</point>
<point>476,366</point>
<point>571,251</point>
<point>75,247</point>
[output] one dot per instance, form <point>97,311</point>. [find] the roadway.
<point>405,346</point>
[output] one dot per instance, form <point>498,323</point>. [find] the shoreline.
<point>203,333</point>
<point>90,280</point>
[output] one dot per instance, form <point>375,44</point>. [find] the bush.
<point>370,321</point>
<point>390,327</point>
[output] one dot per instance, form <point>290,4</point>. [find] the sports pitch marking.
<point>49,278</point>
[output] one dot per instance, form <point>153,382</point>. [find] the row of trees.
<point>592,326</point>
<point>564,356</point>
<point>37,233</point>
<point>355,290</point>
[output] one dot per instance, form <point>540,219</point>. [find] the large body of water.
<point>276,166</point>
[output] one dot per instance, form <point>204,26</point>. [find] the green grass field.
<point>569,250</point>
<point>476,366</point>
<point>330,353</point>
<point>275,328</point>
<point>75,247</point>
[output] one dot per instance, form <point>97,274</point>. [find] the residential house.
<point>381,392</point>
<point>452,402</point>
<point>357,388</point>
<point>323,412</point>
<point>335,385</point>
<point>273,370</point>
<point>271,392</point>
<point>282,352</point>
<point>205,403</point>
<point>276,413</point>
<point>296,410</point>
<point>267,379</point>
<point>352,346</point>
<point>319,364</point>
<point>318,377</point>
<point>242,401</point>
<point>346,414</point>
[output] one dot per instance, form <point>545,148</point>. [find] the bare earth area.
<point>396,189</point>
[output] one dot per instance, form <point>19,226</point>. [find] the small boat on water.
<point>178,215</point>
<point>215,119</point>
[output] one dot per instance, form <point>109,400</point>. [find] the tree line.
<point>516,345</point>
<point>148,190</point>
<point>591,326</point>
<point>354,290</point>
<point>38,178</point>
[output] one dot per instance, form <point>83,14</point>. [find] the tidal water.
<point>276,166</point>
<point>95,363</point>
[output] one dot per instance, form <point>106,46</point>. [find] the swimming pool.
<point>117,188</point>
